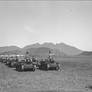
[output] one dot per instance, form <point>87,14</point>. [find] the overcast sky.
<point>28,22</point>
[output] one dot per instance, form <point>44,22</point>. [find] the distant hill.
<point>60,49</point>
<point>44,51</point>
<point>8,49</point>
<point>68,50</point>
<point>41,51</point>
<point>16,52</point>
<point>86,53</point>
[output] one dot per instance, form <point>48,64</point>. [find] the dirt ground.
<point>74,77</point>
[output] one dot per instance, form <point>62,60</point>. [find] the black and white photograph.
<point>45,46</point>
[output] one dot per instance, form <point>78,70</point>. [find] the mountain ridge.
<point>67,49</point>
<point>62,48</point>
<point>8,48</point>
<point>86,53</point>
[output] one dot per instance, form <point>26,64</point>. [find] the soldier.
<point>50,58</point>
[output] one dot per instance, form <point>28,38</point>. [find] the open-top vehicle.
<point>49,64</point>
<point>25,65</point>
<point>11,62</point>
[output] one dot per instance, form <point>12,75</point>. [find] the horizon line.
<point>41,43</point>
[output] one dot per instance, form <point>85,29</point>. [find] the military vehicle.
<point>12,62</point>
<point>25,65</point>
<point>49,64</point>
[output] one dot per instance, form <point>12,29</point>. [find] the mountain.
<point>61,47</point>
<point>41,51</point>
<point>86,53</point>
<point>17,52</point>
<point>44,51</point>
<point>36,45</point>
<point>69,50</point>
<point>8,49</point>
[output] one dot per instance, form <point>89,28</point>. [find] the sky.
<point>28,22</point>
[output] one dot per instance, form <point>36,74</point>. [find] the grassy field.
<point>76,76</point>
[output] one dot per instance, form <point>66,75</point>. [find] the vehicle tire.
<point>33,69</point>
<point>48,66</point>
<point>58,67</point>
<point>18,68</point>
<point>22,67</point>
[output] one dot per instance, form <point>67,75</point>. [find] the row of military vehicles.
<point>23,63</point>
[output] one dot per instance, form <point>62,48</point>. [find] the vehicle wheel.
<point>11,64</point>
<point>58,67</point>
<point>35,66</point>
<point>48,66</point>
<point>33,69</point>
<point>18,68</point>
<point>22,67</point>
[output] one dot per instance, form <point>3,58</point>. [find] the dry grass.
<point>75,77</point>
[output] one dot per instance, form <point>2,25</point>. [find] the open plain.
<point>75,76</point>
